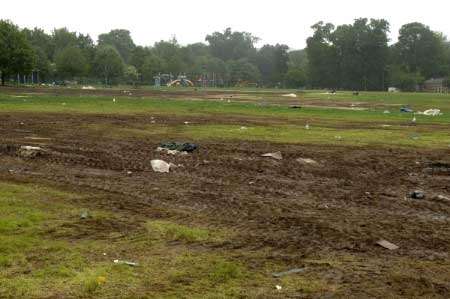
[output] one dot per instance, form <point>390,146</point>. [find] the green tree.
<point>71,63</point>
<point>63,38</point>
<point>421,50</point>
<point>295,78</point>
<point>242,71</point>
<point>16,53</point>
<point>232,45</point>
<point>152,66</point>
<point>120,39</point>
<point>131,75</point>
<point>272,62</point>
<point>108,63</point>
<point>322,61</point>
<point>170,53</point>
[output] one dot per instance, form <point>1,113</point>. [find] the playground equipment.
<point>182,80</point>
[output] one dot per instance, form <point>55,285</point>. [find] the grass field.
<point>225,219</point>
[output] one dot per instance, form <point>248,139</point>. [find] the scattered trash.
<point>88,87</point>
<point>181,147</point>
<point>441,198</point>
<point>104,253</point>
<point>386,126</point>
<point>306,161</point>
<point>386,111</point>
<point>26,151</point>
<point>356,93</point>
<point>243,128</point>
<point>292,271</point>
<point>406,110</point>
<point>84,215</point>
<point>432,112</point>
<point>160,166</point>
<point>438,168</point>
<point>338,137</point>
<point>129,172</point>
<point>307,127</point>
<point>278,287</point>
<point>276,155</point>
<point>132,264</point>
<point>170,152</point>
<point>186,123</point>
<point>290,95</point>
<point>417,194</point>
<point>114,100</point>
<point>387,245</point>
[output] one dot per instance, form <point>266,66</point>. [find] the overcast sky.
<point>280,21</point>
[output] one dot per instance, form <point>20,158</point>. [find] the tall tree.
<point>71,63</point>
<point>232,44</point>
<point>16,53</point>
<point>322,64</point>
<point>420,50</point>
<point>120,39</point>
<point>272,62</point>
<point>109,64</point>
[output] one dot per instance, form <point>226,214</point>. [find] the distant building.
<point>436,85</point>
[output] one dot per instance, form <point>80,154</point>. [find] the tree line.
<point>354,56</point>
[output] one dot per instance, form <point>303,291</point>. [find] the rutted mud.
<point>352,198</point>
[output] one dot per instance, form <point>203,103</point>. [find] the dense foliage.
<point>354,56</point>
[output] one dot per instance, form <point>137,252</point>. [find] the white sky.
<point>282,21</point>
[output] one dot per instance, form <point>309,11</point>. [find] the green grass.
<point>37,260</point>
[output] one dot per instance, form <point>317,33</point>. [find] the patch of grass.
<point>176,232</point>
<point>223,271</point>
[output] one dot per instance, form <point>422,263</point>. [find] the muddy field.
<point>282,210</point>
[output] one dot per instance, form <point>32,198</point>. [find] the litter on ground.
<point>132,264</point>
<point>160,166</point>
<point>276,155</point>
<point>307,161</point>
<point>387,245</point>
<point>181,147</point>
<point>431,112</point>
<point>406,110</point>
<point>292,271</point>
<point>290,95</point>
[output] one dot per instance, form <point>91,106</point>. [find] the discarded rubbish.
<point>432,112</point>
<point>306,161</point>
<point>278,287</point>
<point>307,127</point>
<point>182,147</point>
<point>406,110</point>
<point>290,95</point>
<point>84,215</point>
<point>386,111</point>
<point>441,198</point>
<point>276,155</point>
<point>243,128</point>
<point>88,87</point>
<point>26,151</point>
<point>292,271</point>
<point>170,152</point>
<point>438,168</point>
<point>132,264</point>
<point>417,194</point>
<point>160,166</point>
<point>387,245</point>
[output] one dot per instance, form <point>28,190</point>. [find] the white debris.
<point>432,112</point>
<point>133,264</point>
<point>278,287</point>
<point>387,245</point>
<point>306,161</point>
<point>307,127</point>
<point>290,95</point>
<point>386,126</point>
<point>243,128</point>
<point>30,148</point>
<point>186,123</point>
<point>114,100</point>
<point>89,87</point>
<point>171,152</point>
<point>276,155</point>
<point>386,112</point>
<point>160,166</point>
